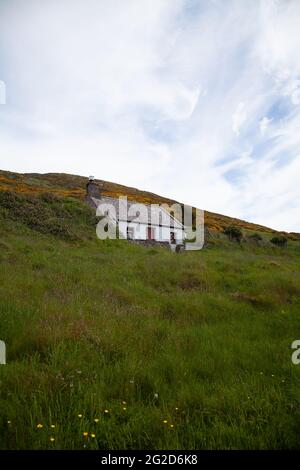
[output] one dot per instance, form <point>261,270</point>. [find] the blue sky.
<point>195,100</point>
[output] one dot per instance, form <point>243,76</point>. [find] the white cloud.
<point>292,89</point>
<point>238,118</point>
<point>264,124</point>
<point>194,100</point>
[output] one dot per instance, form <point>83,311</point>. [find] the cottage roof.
<point>150,214</point>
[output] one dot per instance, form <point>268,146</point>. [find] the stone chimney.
<point>92,190</point>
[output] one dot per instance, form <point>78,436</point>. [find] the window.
<point>130,233</point>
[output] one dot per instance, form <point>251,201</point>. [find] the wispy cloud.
<point>196,100</point>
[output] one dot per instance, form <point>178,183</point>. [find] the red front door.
<point>150,233</point>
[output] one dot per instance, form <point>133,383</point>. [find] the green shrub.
<point>233,233</point>
<point>255,237</point>
<point>279,241</point>
<point>49,214</point>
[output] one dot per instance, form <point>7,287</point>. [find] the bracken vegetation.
<point>116,346</point>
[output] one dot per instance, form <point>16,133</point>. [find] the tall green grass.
<point>164,351</point>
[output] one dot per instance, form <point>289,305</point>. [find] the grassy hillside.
<point>115,346</point>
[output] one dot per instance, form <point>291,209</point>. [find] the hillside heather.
<point>65,185</point>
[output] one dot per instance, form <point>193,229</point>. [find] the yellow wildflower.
<point>39,426</point>
<point>52,439</point>
<point>85,434</point>
<point>96,420</point>
<point>93,435</point>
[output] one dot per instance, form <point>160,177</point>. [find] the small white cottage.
<point>148,223</point>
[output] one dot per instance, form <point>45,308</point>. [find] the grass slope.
<point>142,348</point>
